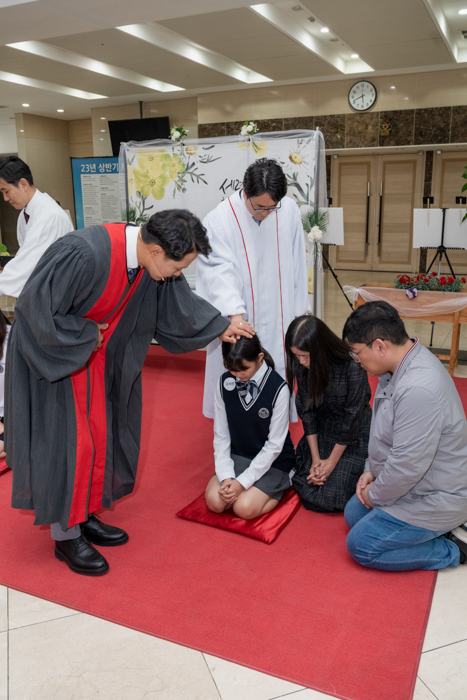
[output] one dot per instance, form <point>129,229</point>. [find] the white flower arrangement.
<point>177,133</point>
<point>315,234</point>
<point>249,128</point>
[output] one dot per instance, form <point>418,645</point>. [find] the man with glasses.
<point>413,491</point>
<point>256,274</point>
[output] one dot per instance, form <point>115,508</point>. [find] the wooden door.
<point>378,195</point>
<point>399,184</point>
<point>352,187</point>
<point>447,185</point>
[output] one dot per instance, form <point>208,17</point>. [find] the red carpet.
<point>300,609</point>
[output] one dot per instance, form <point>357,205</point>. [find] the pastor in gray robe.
<point>73,416</point>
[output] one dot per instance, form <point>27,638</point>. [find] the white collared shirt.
<point>47,222</point>
<point>131,233</point>
<point>272,447</point>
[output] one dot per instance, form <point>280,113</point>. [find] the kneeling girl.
<point>253,452</point>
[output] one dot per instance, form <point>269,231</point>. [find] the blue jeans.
<point>379,541</point>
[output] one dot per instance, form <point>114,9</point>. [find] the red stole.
<point>89,385</point>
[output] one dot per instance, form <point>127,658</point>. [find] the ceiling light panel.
<point>54,53</point>
<point>313,36</point>
<point>175,43</point>
<point>52,87</point>
<point>12,3</point>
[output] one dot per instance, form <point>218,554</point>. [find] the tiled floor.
<point>48,652</point>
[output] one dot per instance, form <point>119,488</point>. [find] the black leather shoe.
<point>101,534</point>
<point>81,557</point>
<point>462,547</point>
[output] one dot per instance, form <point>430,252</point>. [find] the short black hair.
<point>265,176</point>
<point>178,232</point>
<point>13,169</point>
<point>375,319</point>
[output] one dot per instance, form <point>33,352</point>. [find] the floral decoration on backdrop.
<point>314,222</point>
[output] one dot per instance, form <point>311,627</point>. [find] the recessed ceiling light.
<point>102,131</point>
<point>102,139</point>
<point>22,131</point>
<point>393,87</point>
<point>324,30</point>
<point>462,12</point>
<point>25,104</point>
<point>355,55</point>
<point>102,117</point>
<point>60,110</point>
<point>406,98</point>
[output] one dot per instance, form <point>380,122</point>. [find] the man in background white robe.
<point>41,222</point>
<point>257,270</point>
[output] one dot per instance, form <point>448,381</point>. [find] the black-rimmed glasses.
<point>266,209</point>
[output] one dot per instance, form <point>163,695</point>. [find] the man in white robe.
<point>41,222</point>
<point>257,270</point>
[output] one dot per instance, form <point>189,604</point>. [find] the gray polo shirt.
<point>418,444</point>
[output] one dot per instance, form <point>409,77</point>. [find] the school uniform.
<point>251,431</point>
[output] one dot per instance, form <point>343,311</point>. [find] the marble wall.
<point>403,127</point>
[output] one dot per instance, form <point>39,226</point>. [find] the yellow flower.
<point>190,150</point>
<point>155,163</point>
<point>259,147</point>
<point>296,158</point>
<point>175,166</point>
<point>148,184</point>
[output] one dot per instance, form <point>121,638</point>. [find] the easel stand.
<point>442,250</point>
<point>336,278</point>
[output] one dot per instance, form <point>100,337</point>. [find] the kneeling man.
<point>413,491</point>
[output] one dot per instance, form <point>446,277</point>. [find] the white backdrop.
<point>199,173</point>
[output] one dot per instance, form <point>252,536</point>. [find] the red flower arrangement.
<point>430,282</point>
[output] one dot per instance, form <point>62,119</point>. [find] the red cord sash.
<point>251,280</point>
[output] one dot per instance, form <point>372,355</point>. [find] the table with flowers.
<point>423,298</point>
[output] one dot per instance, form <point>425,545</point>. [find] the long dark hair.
<point>4,322</point>
<point>310,334</point>
<point>244,349</point>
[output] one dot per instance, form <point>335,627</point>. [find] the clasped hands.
<point>230,490</point>
<point>363,484</point>
<point>320,470</point>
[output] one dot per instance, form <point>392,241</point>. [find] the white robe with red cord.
<point>258,271</point>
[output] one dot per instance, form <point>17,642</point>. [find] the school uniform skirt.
<point>274,483</point>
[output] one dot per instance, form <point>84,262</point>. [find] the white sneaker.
<point>461,532</point>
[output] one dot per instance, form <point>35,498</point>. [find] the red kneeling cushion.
<point>3,466</point>
<point>266,528</point>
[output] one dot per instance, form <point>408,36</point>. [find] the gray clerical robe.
<point>73,417</point>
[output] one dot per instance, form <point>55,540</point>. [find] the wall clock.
<point>362,95</point>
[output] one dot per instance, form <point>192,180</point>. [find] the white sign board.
<point>428,227</point>
<point>335,229</point>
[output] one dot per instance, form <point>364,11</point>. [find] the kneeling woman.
<point>332,400</point>
<point>253,452</point>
